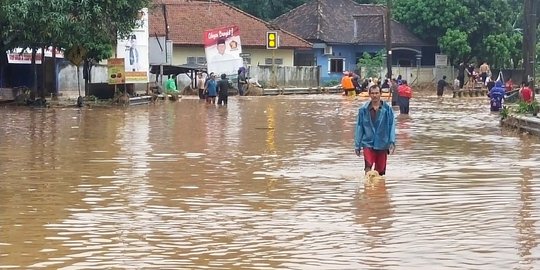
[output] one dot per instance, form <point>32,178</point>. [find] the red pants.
<point>377,158</point>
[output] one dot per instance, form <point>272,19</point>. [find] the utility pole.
<point>529,40</point>
<point>388,37</point>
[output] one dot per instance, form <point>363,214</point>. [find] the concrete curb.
<point>528,123</point>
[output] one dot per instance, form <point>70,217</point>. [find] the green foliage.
<point>271,9</point>
<point>500,48</point>
<point>331,83</point>
<point>504,112</point>
<point>455,43</point>
<point>266,9</point>
<point>524,108</point>
<point>63,23</point>
<point>381,2</point>
<point>479,29</point>
<point>372,63</point>
<point>92,24</point>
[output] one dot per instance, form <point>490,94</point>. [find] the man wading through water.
<point>375,133</point>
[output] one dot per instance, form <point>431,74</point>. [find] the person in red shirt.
<point>405,94</point>
<point>526,93</point>
<point>509,85</point>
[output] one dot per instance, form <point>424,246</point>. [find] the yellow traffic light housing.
<point>271,40</point>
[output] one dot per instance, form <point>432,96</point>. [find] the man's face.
<point>221,48</point>
<point>375,94</point>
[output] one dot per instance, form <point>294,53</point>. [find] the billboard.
<point>24,56</point>
<point>160,51</point>
<point>222,49</point>
<point>134,50</point>
<point>116,71</point>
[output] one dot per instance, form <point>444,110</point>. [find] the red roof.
<point>188,19</point>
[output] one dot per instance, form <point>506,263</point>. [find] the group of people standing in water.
<point>396,88</point>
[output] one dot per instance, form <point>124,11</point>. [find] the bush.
<point>331,83</point>
<point>526,108</point>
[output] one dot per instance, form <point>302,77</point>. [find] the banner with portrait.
<point>222,48</point>
<point>134,50</point>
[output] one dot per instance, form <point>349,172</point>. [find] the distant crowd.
<point>396,90</point>
<point>497,88</point>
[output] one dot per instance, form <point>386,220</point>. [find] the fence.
<point>416,75</point>
<point>420,75</point>
<point>285,76</point>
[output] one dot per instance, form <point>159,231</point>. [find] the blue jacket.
<point>497,91</point>
<point>211,86</point>
<point>378,135</point>
<point>496,96</point>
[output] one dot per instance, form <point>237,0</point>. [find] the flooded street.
<point>265,183</point>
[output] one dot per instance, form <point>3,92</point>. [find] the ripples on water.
<point>266,183</point>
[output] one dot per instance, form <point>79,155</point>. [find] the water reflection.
<point>264,183</point>
<point>271,125</point>
<point>526,222</point>
<point>403,132</point>
<point>526,219</point>
<point>373,210</point>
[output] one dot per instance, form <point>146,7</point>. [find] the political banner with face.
<point>223,47</point>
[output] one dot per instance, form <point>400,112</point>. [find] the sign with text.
<point>116,71</point>
<point>441,60</point>
<point>24,56</point>
<point>134,51</point>
<point>76,55</point>
<point>223,48</point>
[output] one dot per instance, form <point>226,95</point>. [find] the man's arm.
<point>392,124</point>
<point>359,133</point>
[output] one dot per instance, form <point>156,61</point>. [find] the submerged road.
<point>265,183</point>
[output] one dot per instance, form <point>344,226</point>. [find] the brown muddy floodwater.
<point>265,183</point>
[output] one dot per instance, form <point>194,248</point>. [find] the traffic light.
<point>271,40</point>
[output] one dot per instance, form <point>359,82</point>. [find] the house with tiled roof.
<point>341,31</point>
<point>184,22</point>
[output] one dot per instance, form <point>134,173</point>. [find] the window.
<point>405,63</point>
<point>328,50</point>
<point>201,60</point>
<point>193,60</point>
<point>277,61</point>
<point>336,65</point>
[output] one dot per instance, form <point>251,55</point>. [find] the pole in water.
<point>80,98</point>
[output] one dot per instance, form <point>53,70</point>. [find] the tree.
<point>266,9</point>
<point>271,9</point>
<point>34,24</point>
<point>116,19</point>
<point>455,43</point>
<point>477,27</point>
<point>371,63</point>
<point>93,24</point>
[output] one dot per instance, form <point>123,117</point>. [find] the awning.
<point>175,70</point>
